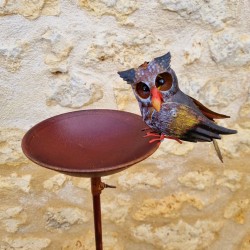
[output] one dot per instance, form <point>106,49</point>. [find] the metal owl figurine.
<point>167,110</point>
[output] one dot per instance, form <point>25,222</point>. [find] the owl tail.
<point>216,129</point>
<point>217,149</point>
<point>209,131</point>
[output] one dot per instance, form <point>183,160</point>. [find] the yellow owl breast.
<point>178,118</point>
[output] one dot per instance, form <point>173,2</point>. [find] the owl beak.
<point>156,98</point>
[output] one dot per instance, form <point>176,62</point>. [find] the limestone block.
<point>51,8</point>
<point>117,8</point>
<point>246,182</point>
<point>5,246</point>
<point>230,179</point>
<point>83,183</point>
<point>141,180</point>
<point>63,218</point>
<point>58,51</point>
<point>236,210</point>
<point>168,207</point>
<point>192,86</point>
<point>15,182</point>
<point>199,180</point>
<point>245,245</point>
<point>26,243</point>
<point>85,242</point>
<point>29,9</point>
<point>193,51</point>
<point>235,146</point>
<point>245,112</point>
<point>11,56</point>
<point>172,147</point>
<point>73,92</point>
<point>220,93</point>
<point>10,150</point>
<point>181,235</point>
<point>230,48</point>
<point>125,98</point>
<point>116,209</point>
<point>125,50</point>
<point>213,12</point>
<point>11,218</point>
<point>111,241</point>
<point>70,193</point>
<point>55,182</point>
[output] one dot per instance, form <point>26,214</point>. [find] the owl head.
<point>152,82</point>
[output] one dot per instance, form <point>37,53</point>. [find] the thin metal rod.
<point>96,192</point>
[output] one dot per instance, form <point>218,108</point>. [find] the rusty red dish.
<point>90,143</point>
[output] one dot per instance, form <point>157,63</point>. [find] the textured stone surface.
<point>141,180</point>
<point>233,149</point>
<point>11,57</point>
<point>237,210</point>
<point>110,46</point>
<point>15,182</point>
<point>173,147</point>
<point>83,183</point>
<point>111,212</point>
<point>10,151</point>
<point>61,56</point>
<point>125,98</point>
<point>118,8</point>
<point>217,93</point>
<point>55,182</point>
<point>11,218</point>
<point>215,13</point>
<point>73,92</point>
<point>27,243</point>
<point>111,242</point>
<point>197,236</point>
<point>245,112</point>
<point>71,194</point>
<point>193,52</point>
<point>59,49</point>
<point>29,9</point>
<point>230,179</point>
<point>246,243</point>
<point>80,243</point>
<point>63,218</point>
<point>230,48</point>
<point>198,180</point>
<point>166,207</point>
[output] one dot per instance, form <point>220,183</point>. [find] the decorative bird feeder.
<point>89,143</point>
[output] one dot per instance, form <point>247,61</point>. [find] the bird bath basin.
<point>89,143</point>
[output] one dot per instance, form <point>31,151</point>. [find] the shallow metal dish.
<point>90,143</point>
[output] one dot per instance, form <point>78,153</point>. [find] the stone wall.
<point>60,56</point>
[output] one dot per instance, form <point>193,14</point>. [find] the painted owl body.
<point>166,109</point>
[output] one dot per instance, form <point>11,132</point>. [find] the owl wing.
<point>207,112</point>
<point>210,115</point>
<point>189,124</point>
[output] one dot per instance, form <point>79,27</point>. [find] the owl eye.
<point>142,90</point>
<point>164,81</point>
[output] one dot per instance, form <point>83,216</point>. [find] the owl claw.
<point>158,139</point>
<point>161,137</point>
<point>152,134</point>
